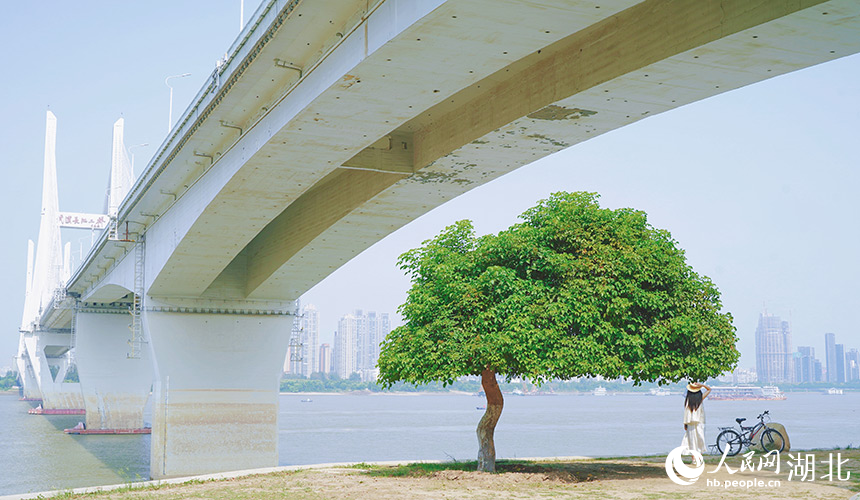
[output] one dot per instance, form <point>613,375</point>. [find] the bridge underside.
<point>464,95</point>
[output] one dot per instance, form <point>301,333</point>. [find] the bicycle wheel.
<point>729,443</point>
<point>772,440</point>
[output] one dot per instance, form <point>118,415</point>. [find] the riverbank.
<point>567,477</point>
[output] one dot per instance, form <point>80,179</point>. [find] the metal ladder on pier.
<point>296,345</point>
<point>74,332</point>
<point>136,308</point>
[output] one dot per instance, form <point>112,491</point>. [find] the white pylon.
<point>121,173</point>
<point>47,265</point>
<point>28,314</point>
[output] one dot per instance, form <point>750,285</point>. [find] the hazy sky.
<point>759,185</point>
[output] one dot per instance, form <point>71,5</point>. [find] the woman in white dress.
<point>694,419</point>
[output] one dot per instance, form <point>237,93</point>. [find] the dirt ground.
<point>643,478</point>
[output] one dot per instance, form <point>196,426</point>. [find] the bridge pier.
<point>30,387</point>
<point>216,391</point>
<point>47,349</point>
<point>114,387</point>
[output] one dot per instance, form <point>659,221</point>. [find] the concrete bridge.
<point>329,125</point>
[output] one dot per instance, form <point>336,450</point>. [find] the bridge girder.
<point>413,103</point>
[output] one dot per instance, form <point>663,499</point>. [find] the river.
<point>35,455</point>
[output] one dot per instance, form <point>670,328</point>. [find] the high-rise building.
<point>773,350</point>
<point>335,354</point>
<point>368,344</point>
<point>840,363</point>
<point>830,356</point>
<point>852,365</point>
<point>366,330</point>
<point>804,367</point>
<point>797,363</point>
<point>345,347</point>
<point>324,359</point>
<point>818,371</point>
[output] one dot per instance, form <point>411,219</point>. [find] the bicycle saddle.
<point>740,420</point>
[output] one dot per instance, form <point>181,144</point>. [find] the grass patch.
<point>420,469</point>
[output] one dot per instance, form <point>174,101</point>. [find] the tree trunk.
<point>487,425</point>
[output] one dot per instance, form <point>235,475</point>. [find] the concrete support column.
<point>46,348</point>
<point>30,387</point>
<point>62,365</point>
<point>216,390</point>
<point>114,387</point>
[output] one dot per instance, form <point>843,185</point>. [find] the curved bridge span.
<point>332,123</point>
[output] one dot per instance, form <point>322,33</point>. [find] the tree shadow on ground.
<point>564,472</point>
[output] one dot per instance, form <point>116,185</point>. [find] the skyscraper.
<point>372,331</point>
<point>364,331</point>
<point>804,368</point>
<point>345,346</point>
<point>852,365</point>
<point>840,363</point>
<point>773,350</point>
<point>818,371</point>
<point>830,356</point>
<point>324,359</point>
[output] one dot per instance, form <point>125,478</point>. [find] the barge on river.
<point>746,393</point>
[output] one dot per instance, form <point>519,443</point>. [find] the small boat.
<point>600,391</point>
<point>833,391</point>
<point>480,407</point>
<point>307,401</point>
<point>772,392</point>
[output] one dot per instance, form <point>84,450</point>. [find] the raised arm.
<point>708,391</point>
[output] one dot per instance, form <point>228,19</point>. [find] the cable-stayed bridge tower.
<point>99,339</point>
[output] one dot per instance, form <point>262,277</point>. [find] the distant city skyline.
<point>758,185</point>
<point>353,347</point>
<point>777,362</point>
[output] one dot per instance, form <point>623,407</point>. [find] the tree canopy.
<point>573,290</point>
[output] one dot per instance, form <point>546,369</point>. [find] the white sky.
<point>760,185</point>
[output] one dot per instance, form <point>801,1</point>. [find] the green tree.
<point>9,380</point>
<point>573,290</point>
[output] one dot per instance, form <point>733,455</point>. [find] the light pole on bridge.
<point>170,109</point>
<point>132,153</point>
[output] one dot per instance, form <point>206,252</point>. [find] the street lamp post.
<point>170,109</point>
<point>132,153</point>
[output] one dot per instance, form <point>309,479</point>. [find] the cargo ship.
<point>747,393</point>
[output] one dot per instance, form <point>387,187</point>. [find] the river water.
<point>35,455</point>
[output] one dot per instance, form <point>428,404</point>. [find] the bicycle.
<point>730,442</point>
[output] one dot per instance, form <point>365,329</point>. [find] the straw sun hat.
<point>694,388</point>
